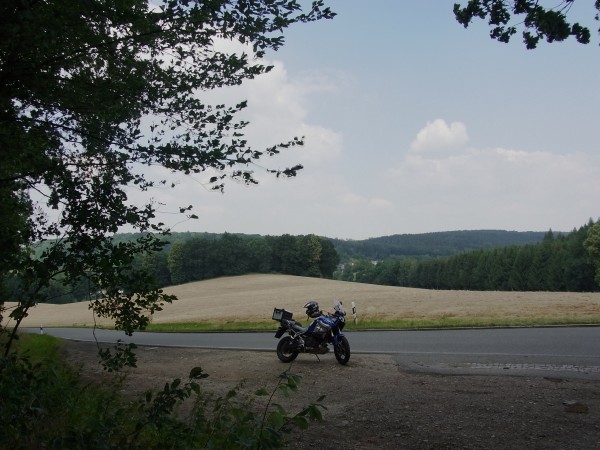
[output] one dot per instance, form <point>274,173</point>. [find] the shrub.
<point>45,405</point>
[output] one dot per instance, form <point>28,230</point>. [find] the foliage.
<point>538,22</point>
<point>592,245</point>
<point>92,94</point>
<point>556,264</point>
<point>44,405</point>
<point>200,258</point>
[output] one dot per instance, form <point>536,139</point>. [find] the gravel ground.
<point>374,403</point>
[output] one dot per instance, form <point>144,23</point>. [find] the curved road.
<point>552,352</point>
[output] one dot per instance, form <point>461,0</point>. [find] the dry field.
<point>252,298</point>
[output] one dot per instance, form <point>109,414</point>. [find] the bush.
<point>45,405</point>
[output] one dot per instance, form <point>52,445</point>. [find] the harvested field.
<point>252,298</point>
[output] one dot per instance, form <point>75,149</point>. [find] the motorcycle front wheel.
<point>285,350</point>
<point>342,350</point>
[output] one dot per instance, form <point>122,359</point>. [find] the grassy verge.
<point>39,347</point>
<point>479,322</point>
<point>398,324</point>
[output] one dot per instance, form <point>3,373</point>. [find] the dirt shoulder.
<point>374,403</point>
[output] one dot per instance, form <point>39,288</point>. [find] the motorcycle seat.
<point>297,327</point>
<point>291,323</point>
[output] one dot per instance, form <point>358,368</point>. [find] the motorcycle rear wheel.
<point>342,350</point>
<point>285,350</point>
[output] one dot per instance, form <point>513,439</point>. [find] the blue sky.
<point>413,124</point>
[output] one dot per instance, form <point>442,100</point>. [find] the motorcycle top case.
<point>279,314</point>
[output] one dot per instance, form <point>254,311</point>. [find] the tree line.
<point>559,263</point>
<point>199,256</point>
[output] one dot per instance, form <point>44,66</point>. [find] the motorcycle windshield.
<point>337,306</point>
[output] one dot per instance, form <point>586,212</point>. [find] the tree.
<point>233,255</point>
<point>90,94</point>
<point>156,264</point>
<point>308,254</point>
<point>539,22</point>
<point>329,258</point>
<point>592,246</point>
<point>284,258</point>
<point>259,255</point>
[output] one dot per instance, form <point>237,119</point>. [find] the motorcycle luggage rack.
<point>279,314</point>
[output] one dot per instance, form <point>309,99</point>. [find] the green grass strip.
<point>399,324</point>
<point>191,327</point>
<point>38,347</point>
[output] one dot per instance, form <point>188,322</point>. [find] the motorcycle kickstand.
<point>319,359</point>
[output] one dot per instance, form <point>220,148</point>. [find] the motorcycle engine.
<point>312,341</point>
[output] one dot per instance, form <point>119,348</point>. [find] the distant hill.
<point>427,245</point>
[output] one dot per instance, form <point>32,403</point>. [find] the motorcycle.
<point>324,330</point>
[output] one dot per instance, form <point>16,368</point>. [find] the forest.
<point>200,258</point>
<point>431,245</point>
<point>560,262</point>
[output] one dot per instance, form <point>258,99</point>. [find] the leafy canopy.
<point>538,22</point>
<point>91,94</point>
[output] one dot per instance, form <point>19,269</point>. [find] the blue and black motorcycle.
<point>324,330</point>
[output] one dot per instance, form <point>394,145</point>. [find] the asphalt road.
<point>552,352</point>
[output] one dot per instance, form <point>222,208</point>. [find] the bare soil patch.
<point>372,403</point>
<point>252,298</point>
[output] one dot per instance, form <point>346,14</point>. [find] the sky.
<point>412,124</point>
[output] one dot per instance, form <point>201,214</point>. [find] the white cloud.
<point>439,136</point>
<point>321,144</point>
<point>355,200</point>
<point>277,112</point>
<point>495,187</point>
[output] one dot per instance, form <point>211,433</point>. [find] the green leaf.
<point>261,392</point>
<point>197,373</point>
<point>300,422</point>
<point>276,419</point>
<point>231,393</point>
<point>314,413</point>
